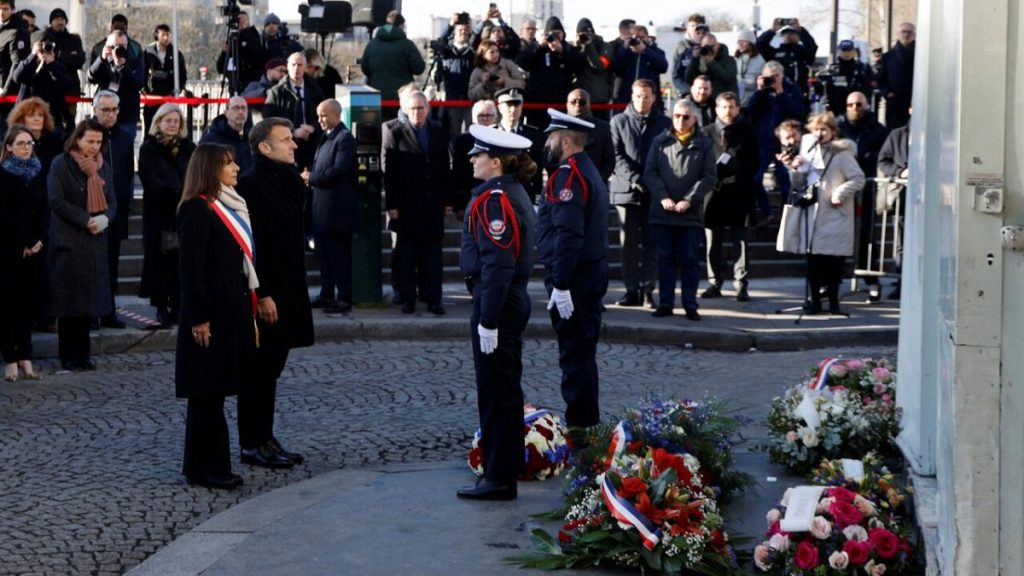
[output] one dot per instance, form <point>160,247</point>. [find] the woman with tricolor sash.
<point>217,335</point>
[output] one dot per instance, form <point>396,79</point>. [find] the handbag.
<point>791,229</point>
<point>168,241</point>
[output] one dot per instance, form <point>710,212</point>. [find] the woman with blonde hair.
<point>832,180</point>
<point>492,73</point>
<point>163,159</point>
<point>218,335</point>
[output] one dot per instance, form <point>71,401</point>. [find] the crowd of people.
<point>226,222</point>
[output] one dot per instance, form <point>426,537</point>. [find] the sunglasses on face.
<point>854,105</point>
<point>682,116</point>
<point>577,101</point>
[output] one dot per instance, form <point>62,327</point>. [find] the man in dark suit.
<point>295,100</point>
<point>274,193</point>
<point>416,175</point>
<point>335,216</point>
<point>599,140</point>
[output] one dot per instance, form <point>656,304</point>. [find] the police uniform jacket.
<point>274,194</point>
<point>498,234</point>
<point>572,221</point>
<point>416,180</point>
<point>680,172</point>
<point>14,47</point>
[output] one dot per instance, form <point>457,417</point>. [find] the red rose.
<point>844,513</point>
<point>806,556</point>
<point>885,542</point>
<point>631,487</point>
<point>857,551</point>
<point>664,460</point>
<point>840,493</point>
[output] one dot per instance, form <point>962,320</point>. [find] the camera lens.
<point>634,41</point>
<point>120,52</point>
<point>48,46</point>
<point>551,37</point>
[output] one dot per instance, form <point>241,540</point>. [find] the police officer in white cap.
<point>573,244</point>
<point>497,258</point>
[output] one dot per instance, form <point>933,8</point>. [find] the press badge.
<point>724,158</point>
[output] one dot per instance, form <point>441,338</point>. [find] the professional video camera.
<point>231,10</point>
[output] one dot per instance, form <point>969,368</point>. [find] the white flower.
<point>821,528</point>
<point>839,560</point>
<point>855,533</point>
<point>810,437</point>
<point>761,553</point>
<point>779,542</point>
<point>866,507</point>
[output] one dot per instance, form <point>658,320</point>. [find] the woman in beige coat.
<point>493,73</point>
<point>835,178</point>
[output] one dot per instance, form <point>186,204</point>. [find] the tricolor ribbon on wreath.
<point>627,515</point>
<point>806,408</point>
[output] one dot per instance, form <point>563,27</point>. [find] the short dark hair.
<point>29,13</point>
<point>9,3</point>
<point>626,23</point>
<point>87,125</point>
<point>162,28</point>
<point>790,124</point>
<point>730,96</point>
<point>644,83</point>
<point>698,18</point>
<point>395,17</point>
<point>261,131</point>
<point>119,18</point>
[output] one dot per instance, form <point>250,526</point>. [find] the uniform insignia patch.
<point>565,195</point>
<point>497,228</point>
<point>21,44</point>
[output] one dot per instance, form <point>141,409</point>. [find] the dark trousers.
<point>740,257</point>
<point>113,260</point>
<point>639,251</point>
<point>207,445</point>
<point>256,399</point>
<point>418,265</point>
<point>499,388</point>
<point>334,251</point>
<point>73,338</point>
<point>16,333</point>
<point>827,271</point>
<point>577,343</point>
<point>678,251</point>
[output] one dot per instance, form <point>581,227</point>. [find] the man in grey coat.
<point>632,134</point>
<point>680,171</point>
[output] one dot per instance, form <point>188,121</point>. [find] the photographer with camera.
<point>41,75</point>
<point>641,60</point>
<point>550,70</point>
<point>831,180</point>
<point>795,52</point>
<point>68,49</point>
<point>492,27</point>
<point>687,50</point>
<point>492,73</point>
<point>714,62</point>
<point>595,76</point>
<point>118,22</point>
<point>456,57</point>
<point>776,99</point>
<point>276,41</point>
<point>116,70</point>
<point>161,57</point>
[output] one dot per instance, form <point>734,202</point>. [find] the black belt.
<point>516,281</point>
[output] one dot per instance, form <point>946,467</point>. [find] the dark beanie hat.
<point>58,13</point>
<point>553,23</point>
<point>585,26</point>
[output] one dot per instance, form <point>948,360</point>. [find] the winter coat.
<point>129,79</point>
<point>23,222</point>
<point>748,68</point>
<point>390,61</point>
<point>680,172</point>
<point>415,180</point>
<point>213,289</point>
<point>458,67</point>
<point>631,146</point>
<point>78,259</point>
<point>550,73</point>
<point>160,71</point>
<point>480,86</point>
<point>333,180</point>
<point>733,201</point>
<point>832,227</point>
<point>595,76</point>
<point>894,155</point>
<point>869,136</point>
<point>14,47</point>
<point>721,71</point>
<point>120,156</point>
<point>796,58</point>
<point>766,110</point>
<point>220,132</point>
<point>69,49</point>
<point>649,64</point>
<point>274,193</point>
<point>52,83</point>
<point>896,75</point>
<point>162,174</point>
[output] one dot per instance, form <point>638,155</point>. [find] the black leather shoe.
<point>112,321</point>
<point>436,309</point>
<point>488,490</point>
<point>265,457</point>
<point>323,303</point>
<point>874,293</point>
<point>649,300</point>
<point>340,308</point>
<point>409,307</point>
<point>662,312</point>
<point>631,299</point>
<point>692,314</point>
<point>275,445</point>
<point>742,295</point>
<point>712,291</point>
<point>87,364</point>
<point>217,481</point>
<point>70,365</point>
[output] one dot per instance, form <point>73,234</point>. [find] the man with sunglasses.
<point>599,141</point>
<point>860,125</point>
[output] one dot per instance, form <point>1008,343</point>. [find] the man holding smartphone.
<point>795,52</point>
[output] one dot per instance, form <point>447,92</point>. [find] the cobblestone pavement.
<point>90,482</point>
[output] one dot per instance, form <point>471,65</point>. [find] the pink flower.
<point>858,552</point>
<point>773,516</point>
<point>879,388</point>
<point>854,365</point>
<point>885,542</point>
<point>761,554</point>
<point>823,505</point>
<point>839,560</point>
<point>821,528</point>
<point>837,370</point>
<point>855,533</point>
<point>882,374</point>
<point>792,436</point>
<point>779,542</point>
<point>806,556</point>
<point>840,493</point>
<point>866,507</point>
<point>886,399</point>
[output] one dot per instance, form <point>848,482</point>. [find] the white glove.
<point>562,299</point>
<point>101,221</point>
<point>488,339</point>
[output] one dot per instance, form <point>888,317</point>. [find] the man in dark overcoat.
<point>296,100</point>
<point>733,203</point>
<point>273,190</point>
<point>335,210</point>
<point>416,196</point>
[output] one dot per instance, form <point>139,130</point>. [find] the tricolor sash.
<point>242,234</point>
